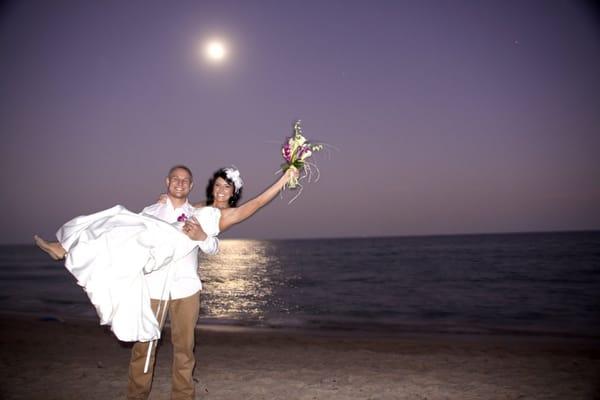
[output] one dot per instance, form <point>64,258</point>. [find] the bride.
<point>111,251</point>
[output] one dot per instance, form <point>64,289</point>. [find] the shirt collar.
<point>184,206</point>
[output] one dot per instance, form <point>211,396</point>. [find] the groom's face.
<point>179,184</point>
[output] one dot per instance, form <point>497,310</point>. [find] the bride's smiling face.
<point>222,190</point>
<point>179,184</point>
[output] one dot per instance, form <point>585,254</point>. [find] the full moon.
<point>215,50</point>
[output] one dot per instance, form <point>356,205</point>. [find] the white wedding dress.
<point>110,253</point>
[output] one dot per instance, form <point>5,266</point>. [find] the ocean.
<point>521,284</point>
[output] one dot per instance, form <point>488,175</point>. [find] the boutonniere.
<point>182,218</point>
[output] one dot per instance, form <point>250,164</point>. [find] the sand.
<point>81,360</point>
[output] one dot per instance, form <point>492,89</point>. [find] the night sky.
<point>443,116</point>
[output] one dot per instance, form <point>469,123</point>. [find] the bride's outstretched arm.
<point>232,216</point>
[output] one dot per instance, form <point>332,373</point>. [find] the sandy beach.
<point>50,359</point>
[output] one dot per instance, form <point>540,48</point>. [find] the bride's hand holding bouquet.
<point>296,151</point>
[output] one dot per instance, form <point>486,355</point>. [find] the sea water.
<point>527,283</point>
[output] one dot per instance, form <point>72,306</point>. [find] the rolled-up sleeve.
<point>210,245</point>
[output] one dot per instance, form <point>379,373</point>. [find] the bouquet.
<point>296,152</point>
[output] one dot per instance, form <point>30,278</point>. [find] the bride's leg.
<point>54,249</point>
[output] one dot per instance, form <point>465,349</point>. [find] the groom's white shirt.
<point>185,280</point>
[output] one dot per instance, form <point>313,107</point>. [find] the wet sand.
<point>80,360</point>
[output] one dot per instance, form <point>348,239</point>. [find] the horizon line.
<point>595,230</point>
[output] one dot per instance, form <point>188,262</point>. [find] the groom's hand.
<point>193,229</point>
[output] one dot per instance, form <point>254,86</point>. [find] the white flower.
<point>300,140</point>
<point>305,154</point>
<point>233,174</point>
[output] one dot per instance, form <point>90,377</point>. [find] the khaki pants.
<point>183,314</point>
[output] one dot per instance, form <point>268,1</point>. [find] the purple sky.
<point>449,116</point>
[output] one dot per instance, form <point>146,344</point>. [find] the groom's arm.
<point>208,244</point>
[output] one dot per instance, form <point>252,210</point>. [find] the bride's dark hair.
<point>210,199</point>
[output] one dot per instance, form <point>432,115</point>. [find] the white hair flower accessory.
<point>233,174</point>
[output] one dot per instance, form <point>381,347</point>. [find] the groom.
<point>183,297</point>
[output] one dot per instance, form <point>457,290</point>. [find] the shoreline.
<point>372,331</point>
<point>50,359</point>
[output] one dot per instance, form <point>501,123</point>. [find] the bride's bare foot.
<point>54,249</point>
